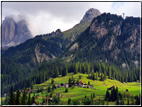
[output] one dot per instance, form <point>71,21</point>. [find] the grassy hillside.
<point>77,93</point>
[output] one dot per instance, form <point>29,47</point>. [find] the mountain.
<point>14,33</point>
<point>24,58</point>
<point>72,33</point>
<point>47,47</point>
<point>90,14</point>
<point>109,38</point>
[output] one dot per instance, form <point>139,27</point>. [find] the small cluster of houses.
<point>78,85</point>
<point>28,91</point>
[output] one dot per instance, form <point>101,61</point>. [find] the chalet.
<point>29,90</point>
<point>50,99</point>
<point>85,85</point>
<point>56,86</point>
<point>90,86</point>
<point>58,94</point>
<point>66,85</point>
<point>80,84</point>
<point>59,85</point>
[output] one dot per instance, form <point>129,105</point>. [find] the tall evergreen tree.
<point>18,95</point>
<point>24,97</point>
<point>29,99</point>
<point>116,93</point>
<point>69,101</point>
<point>107,97</point>
<point>76,68</point>
<point>77,82</point>
<point>57,72</point>
<point>69,82</point>
<point>100,70</point>
<point>113,94</point>
<point>49,89</point>
<point>88,82</point>
<point>109,72</point>
<point>11,97</point>
<point>128,102</point>
<point>96,75</point>
<point>52,81</point>
<point>117,102</point>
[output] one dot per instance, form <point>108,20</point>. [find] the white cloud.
<point>45,17</point>
<point>129,8</point>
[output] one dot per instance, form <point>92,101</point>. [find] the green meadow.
<point>78,93</point>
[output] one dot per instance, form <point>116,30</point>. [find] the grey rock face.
<point>90,14</point>
<point>14,33</point>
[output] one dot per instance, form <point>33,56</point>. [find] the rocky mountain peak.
<point>58,31</point>
<point>90,14</point>
<point>14,33</point>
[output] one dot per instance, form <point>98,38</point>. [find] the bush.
<point>76,102</point>
<point>80,76</point>
<point>69,101</point>
<point>66,90</point>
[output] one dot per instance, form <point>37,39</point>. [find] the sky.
<point>45,17</point>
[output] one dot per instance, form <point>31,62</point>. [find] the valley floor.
<point>78,93</point>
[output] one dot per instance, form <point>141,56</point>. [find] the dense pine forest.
<point>95,71</point>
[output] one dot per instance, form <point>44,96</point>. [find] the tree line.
<point>95,71</point>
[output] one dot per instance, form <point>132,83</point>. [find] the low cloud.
<point>45,17</point>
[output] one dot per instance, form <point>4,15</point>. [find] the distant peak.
<point>90,14</point>
<point>58,31</point>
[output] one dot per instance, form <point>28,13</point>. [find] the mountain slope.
<point>74,32</point>
<point>45,47</point>
<point>21,61</point>
<point>108,38</point>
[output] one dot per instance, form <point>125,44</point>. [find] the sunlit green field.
<point>77,93</point>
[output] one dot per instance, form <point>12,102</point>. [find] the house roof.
<point>80,82</point>
<point>29,90</point>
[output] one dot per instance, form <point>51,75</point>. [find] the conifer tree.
<point>11,97</point>
<point>88,82</point>
<point>128,103</point>
<point>117,102</point>
<point>116,93</point>
<point>113,94</point>
<point>57,72</point>
<point>109,72</point>
<point>69,82</point>
<point>66,90</point>
<point>49,89</point>
<point>18,95</point>
<point>52,81</point>
<point>24,97</point>
<point>107,97</point>
<point>100,70</point>
<point>93,95</point>
<point>77,82</point>
<point>69,101</point>
<point>96,75</point>
<point>29,99</point>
